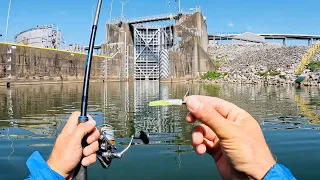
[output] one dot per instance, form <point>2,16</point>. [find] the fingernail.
<point>193,103</point>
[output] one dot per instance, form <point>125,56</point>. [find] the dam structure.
<point>165,47</point>
<point>139,49</point>
<point>142,49</point>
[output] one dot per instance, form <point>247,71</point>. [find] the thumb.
<point>206,114</point>
<point>82,130</point>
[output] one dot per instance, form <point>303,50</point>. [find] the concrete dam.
<point>141,49</point>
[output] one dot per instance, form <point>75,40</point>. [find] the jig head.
<point>107,145</point>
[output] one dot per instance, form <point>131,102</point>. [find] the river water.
<point>32,116</point>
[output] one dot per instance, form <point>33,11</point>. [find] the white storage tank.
<point>48,36</point>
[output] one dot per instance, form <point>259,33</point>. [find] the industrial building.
<point>48,36</point>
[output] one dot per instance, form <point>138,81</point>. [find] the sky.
<point>74,17</point>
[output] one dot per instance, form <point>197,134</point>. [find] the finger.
<point>82,130</point>
<point>200,149</point>
<point>72,123</point>
<point>203,135</point>
<point>87,161</point>
<point>204,112</point>
<point>205,131</point>
<point>197,137</point>
<point>224,108</point>
<point>213,148</point>
<point>91,149</point>
<point>208,143</point>
<point>93,136</point>
<point>190,118</point>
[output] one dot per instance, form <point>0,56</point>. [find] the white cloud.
<point>230,24</point>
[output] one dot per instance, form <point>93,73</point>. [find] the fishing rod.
<point>105,153</point>
<point>81,171</point>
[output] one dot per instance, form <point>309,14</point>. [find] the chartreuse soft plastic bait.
<point>168,102</point>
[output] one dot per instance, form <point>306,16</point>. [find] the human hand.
<point>231,136</point>
<point>67,151</point>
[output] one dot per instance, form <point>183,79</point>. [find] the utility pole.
<point>8,21</point>
<point>122,15</point>
<point>92,15</point>
<point>179,6</point>
<point>111,6</point>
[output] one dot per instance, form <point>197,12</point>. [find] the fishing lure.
<point>169,102</point>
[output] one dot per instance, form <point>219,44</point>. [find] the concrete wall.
<point>193,30</point>
<point>180,68</point>
<point>33,64</point>
<point>115,48</point>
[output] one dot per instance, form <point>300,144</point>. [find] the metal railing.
<point>152,18</point>
<point>158,17</point>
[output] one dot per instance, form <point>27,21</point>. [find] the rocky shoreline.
<point>270,64</point>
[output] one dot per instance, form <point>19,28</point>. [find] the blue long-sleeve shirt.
<point>40,170</point>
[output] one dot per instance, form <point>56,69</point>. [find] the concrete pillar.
<point>309,41</point>
<point>285,41</point>
<point>195,59</point>
<point>203,43</point>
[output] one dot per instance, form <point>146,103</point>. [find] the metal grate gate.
<point>149,42</point>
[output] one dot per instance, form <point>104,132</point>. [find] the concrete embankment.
<point>22,64</point>
<point>261,63</point>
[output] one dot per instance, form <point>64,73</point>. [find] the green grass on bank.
<point>213,75</point>
<point>313,66</point>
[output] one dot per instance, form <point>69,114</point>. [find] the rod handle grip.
<point>81,171</point>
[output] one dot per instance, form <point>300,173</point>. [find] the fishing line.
<point>8,136</point>
<point>10,114</point>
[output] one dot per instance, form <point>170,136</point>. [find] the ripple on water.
<point>37,118</point>
<point>287,123</point>
<point>40,145</point>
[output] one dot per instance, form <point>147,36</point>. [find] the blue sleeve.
<point>39,169</point>
<point>279,171</point>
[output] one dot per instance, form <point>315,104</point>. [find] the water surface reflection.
<point>32,116</point>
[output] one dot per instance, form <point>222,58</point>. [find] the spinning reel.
<point>107,145</point>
